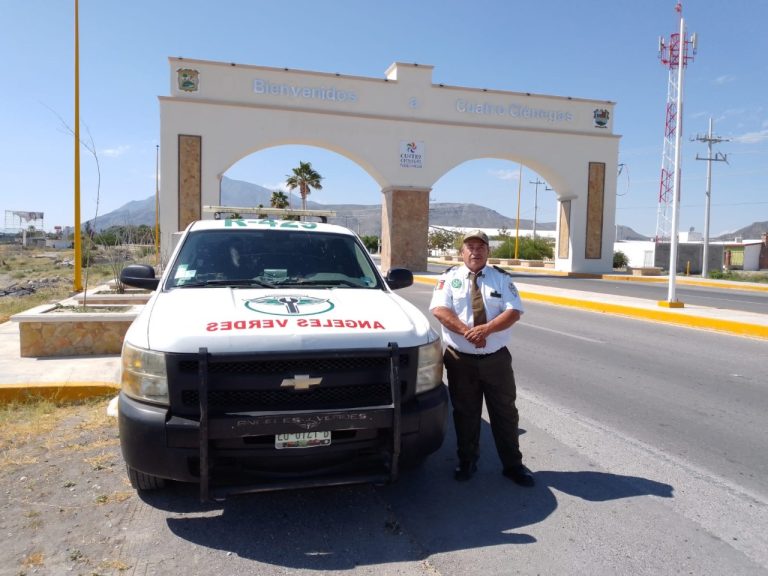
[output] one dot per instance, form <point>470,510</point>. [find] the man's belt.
<point>470,355</point>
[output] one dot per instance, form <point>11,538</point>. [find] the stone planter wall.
<point>45,333</point>
<point>113,298</point>
<point>532,263</point>
<point>647,271</point>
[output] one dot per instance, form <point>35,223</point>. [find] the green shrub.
<point>371,243</point>
<point>442,240</point>
<point>620,260</point>
<point>528,248</point>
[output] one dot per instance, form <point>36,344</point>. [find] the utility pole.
<point>537,182</point>
<point>517,226</point>
<point>157,204</point>
<point>718,157</point>
<point>78,279</point>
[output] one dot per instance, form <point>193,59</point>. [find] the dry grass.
<point>25,423</point>
<point>20,421</point>
<point>103,461</point>
<point>62,476</point>
<point>19,266</point>
<point>121,496</point>
<point>118,565</point>
<point>33,559</point>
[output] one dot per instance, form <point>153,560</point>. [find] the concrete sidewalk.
<point>717,319</point>
<point>71,378</point>
<point>61,379</point>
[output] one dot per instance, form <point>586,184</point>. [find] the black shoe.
<point>520,475</point>
<point>464,471</point>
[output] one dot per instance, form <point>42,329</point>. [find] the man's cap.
<point>479,234</point>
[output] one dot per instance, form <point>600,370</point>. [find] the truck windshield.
<point>272,259</point>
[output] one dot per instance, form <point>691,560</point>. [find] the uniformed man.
<point>477,306</point>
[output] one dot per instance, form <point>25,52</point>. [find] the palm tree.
<point>279,199</point>
<point>304,178</point>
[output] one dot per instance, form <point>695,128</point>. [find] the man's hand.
<point>477,335</point>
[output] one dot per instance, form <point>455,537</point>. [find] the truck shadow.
<point>425,513</point>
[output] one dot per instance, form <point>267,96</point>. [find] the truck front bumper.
<point>155,442</point>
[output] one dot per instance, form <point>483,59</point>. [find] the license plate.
<point>302,440</point>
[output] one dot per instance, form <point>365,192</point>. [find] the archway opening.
<point>347,189</point>
<point>502,197</point>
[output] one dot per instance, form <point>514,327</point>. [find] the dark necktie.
<point>478,308</point>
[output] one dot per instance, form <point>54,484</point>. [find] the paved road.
<point>713,296</point>
<point>647,444</point>
<point>693,394</point>
<point>680,406</point>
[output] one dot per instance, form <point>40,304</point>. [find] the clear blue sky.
<point>601,49</point>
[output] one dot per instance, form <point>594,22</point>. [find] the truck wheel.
<point>141,481</point>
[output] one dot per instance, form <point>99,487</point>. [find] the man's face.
<point>474,252</point>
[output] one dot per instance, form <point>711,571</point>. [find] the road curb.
<point>613,276</point>
<point>669,316</point>
<point>686,281</point>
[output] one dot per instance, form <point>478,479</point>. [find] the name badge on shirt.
<point>495,294</point>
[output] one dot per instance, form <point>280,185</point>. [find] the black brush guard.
<point>383,417</point>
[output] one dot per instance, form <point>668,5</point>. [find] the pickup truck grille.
<point>261,382</point>
<point>280,366</point>
<point>329,398</point>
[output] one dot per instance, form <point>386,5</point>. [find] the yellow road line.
<point>668,316</point>
<point>661,315</point>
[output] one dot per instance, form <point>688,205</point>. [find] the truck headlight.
<point>429,373</point>
<point>143,375</point>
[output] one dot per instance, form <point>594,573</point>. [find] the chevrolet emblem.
<point>300,382</point>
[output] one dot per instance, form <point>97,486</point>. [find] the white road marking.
<point>586,339</point>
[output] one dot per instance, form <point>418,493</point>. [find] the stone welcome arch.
<point>403,130</point>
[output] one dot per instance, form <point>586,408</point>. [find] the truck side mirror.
<point>399,278</point>
<point>139,276</point>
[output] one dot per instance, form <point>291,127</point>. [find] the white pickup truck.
<point>272,355</point>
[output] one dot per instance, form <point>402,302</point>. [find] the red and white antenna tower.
<point>674,54</point>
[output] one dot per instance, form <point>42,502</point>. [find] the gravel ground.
<point>64,489</point>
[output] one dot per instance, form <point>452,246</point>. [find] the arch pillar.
<point>404,228</point>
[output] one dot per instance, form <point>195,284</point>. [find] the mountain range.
<point>365,219</point>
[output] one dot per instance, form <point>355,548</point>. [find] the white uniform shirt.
<point>453,291</point>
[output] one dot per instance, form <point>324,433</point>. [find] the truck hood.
<point>234,320</point>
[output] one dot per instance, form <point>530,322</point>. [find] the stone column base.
<point>404,229</point>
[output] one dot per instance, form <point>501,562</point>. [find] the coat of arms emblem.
<point>188,79</point>
<point>601,116</point>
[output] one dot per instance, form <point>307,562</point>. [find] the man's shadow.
<point>425,513</point>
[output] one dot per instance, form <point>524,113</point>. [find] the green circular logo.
<point>456,283</point>
<point>290,305</point>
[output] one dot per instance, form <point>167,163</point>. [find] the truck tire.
<point>141,481</point>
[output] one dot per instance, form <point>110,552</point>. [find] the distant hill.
<point>365,219</point>
<point>626,233</point>
<point>752,232</point>
<point>136,212</point>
